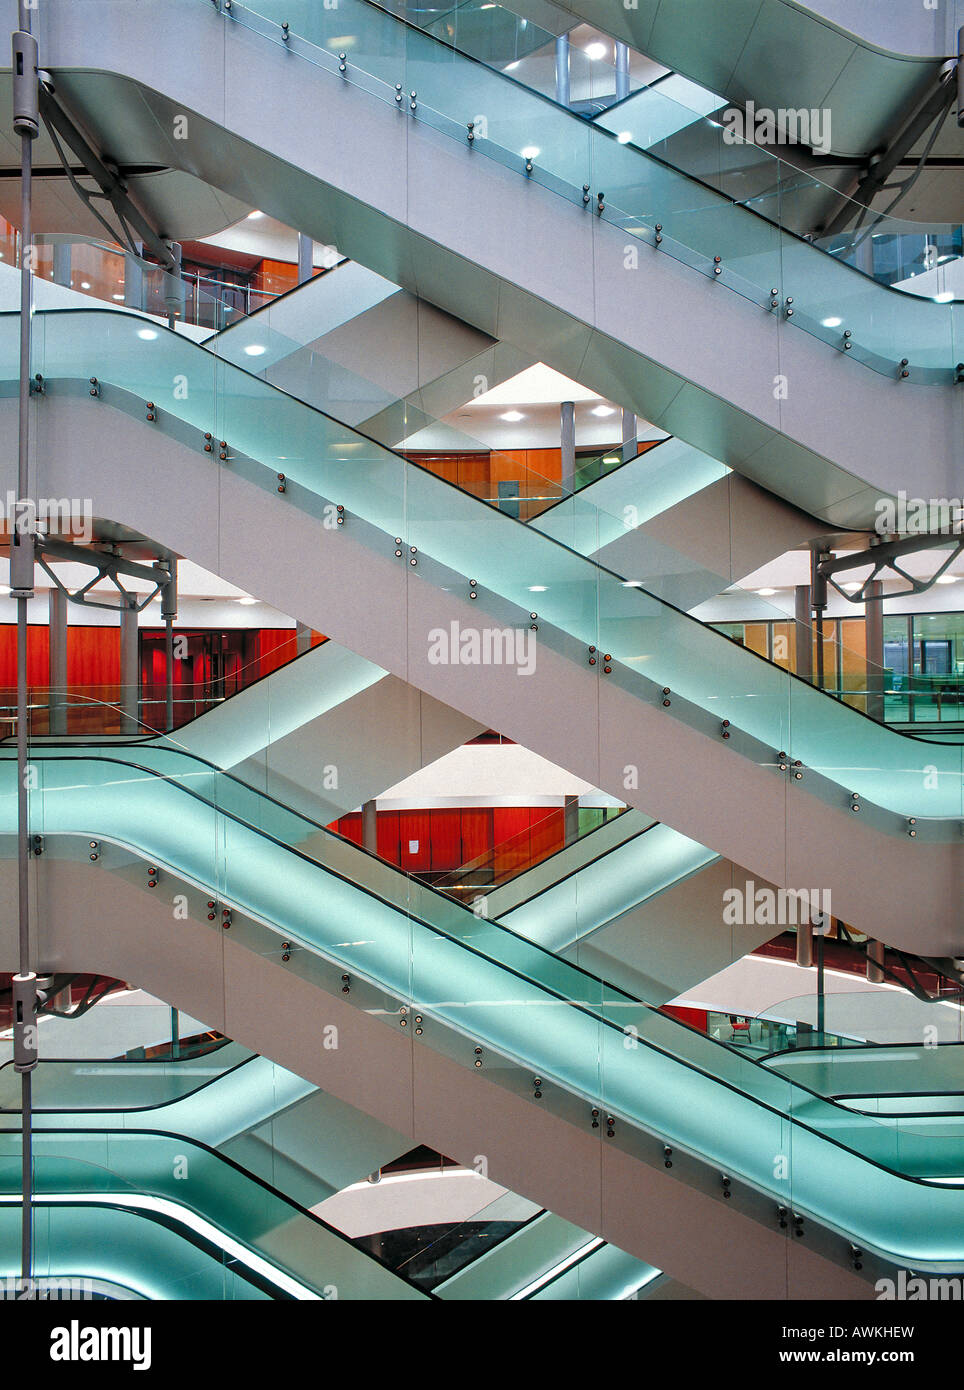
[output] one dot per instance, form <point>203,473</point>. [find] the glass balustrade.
<point>681,123</point>
<point>524,576</point>
<point>752,245</point>
<point>231,1228</point>
<point>477,980</point>
<point>105,271</point>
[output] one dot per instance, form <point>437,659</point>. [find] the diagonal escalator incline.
<point>477,982</point>
<point>400,188</point>
<point>602,676</point>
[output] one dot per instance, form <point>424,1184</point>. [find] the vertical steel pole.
<point>26,122</point>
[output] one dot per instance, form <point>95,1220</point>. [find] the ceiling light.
<point>246,599</point>
<point>947,579</point>
<point>537,588</point>
<point>512,416</point>
<point>603,410</point>
<point>832,323</point>
<point>944,297</point>
<point>632,583</point>
<point>765,593</point>
<point>529,152</point>
<point>253,216</point>
<point>117,296</point>
<point>512,66</point>
<point>595,51</point>
<point>256,350</point>
<point>85,284</point>
<point>147,334</point>
<point>624,137</point>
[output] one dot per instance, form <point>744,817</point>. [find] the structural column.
<point>62,263</point>
<point>804,635</point>
<point>129,670</point>
<point>57,666</point>
<point>805,945</point>
<point>570,820</point>
<point>562,69</point>
<point>629,445</point>
<point>169,613</point>
<point>369,827</point>
<point>306,257</point>
<point>874,621</point>
<point>622,71</point>
<point>567,443</point>
<point>134,279</point>
<point>875,962</point>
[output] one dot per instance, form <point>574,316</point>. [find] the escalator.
<point>367,351</point>
<point>275,1135</point>
<point>167,1217</point>
<point>664,691</point>
<point>435,995</point>
<point>868,66</point>
<point>649,338</point>
<point>381,604</point>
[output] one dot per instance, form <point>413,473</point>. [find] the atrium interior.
<point>481,650</point>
